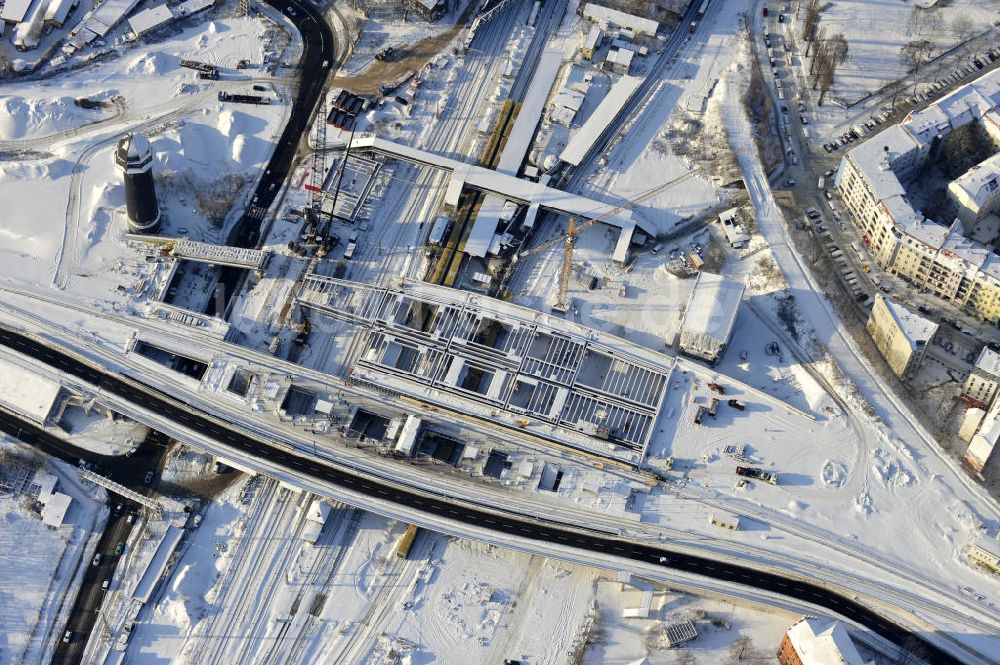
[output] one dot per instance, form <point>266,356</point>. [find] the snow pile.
<point>154,63</point>
<point>25,117</point>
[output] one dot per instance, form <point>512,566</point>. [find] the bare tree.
<point>5,66</point>
<point>686,658</point>
<point>810,22</point>
<point>839,50</point>
<point>834,52</point>
<point>742,650</point>
<point>819,49</point>
<point>914,55</point>
<point>911,652</point>
<point>963,27</point>
<point>923,20</point>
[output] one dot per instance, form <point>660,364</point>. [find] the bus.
<point>406,541</point>
<point>703,9</point>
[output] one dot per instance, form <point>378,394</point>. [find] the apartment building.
<point>817,641</point>
<point>983,452</point>
<point>980,387</point>
<point>900,335</point>
<point>986,554</point>
<point>975,195</point>
<point>873,179</point>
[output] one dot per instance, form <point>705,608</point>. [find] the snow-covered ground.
<point>876,31</point>
<point>39,565</point>
<point>69,219</point>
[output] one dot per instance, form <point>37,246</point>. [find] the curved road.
<point>169,408</point>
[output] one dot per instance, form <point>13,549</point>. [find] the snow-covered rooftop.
<point>14,11</point>
<point>876,156</point>
<point>981,181</point>
<point>150,19</point>
<point>823,642</point>
<point>54,512</point>
<point>714,304</point>
<point>988,362</point>
<point>917,329</point>
<point>608,16</point>
<point>26,392</point>
<point>963,105</point>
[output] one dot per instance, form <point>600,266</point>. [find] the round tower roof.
<point>135,146</point>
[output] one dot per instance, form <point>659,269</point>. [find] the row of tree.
<point>828,53</point>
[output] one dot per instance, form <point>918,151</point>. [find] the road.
<point>537,530</point>
<point>315,66</point>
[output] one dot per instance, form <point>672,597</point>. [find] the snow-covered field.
<point>204,152</point>
<point>39,564</point>
<point>876,30</point>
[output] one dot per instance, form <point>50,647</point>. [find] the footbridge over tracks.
<point>535,195</point>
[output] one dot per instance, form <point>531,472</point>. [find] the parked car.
<point>97,559</point>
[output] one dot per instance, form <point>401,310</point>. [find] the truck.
<point>737,404</point>
<point>702,9</point>
<point>385,54</point>
<point>352,244</point>
<point>693,26</point>
<point>715,387</point>
<point>699,414</point>
<point>821,183</point>
<point>757,474</point>
<point>386,88</point>
<point>713,407</point>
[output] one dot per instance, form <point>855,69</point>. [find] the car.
<point>149,477</point>
<point>97,559</point>
<point>259,88</point>
<point>105,584</point>
<point>119,548</point>
<point>804,120</point>
<point>118,510</point>
<point>130,518</point>
<point>827,194</point>
<point>924,309</point>
<point>291,12</point>
<point>789,183</point>
<point>829,173</point>
<point>781,18</point>
<point>67,636</point>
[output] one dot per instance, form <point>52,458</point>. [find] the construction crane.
<point>568,239</point>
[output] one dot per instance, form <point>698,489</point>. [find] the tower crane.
<point>568,239</point>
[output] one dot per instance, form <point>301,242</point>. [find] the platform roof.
<point>531,112</point>
<point>507,186</point>
<point>585,137</point>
